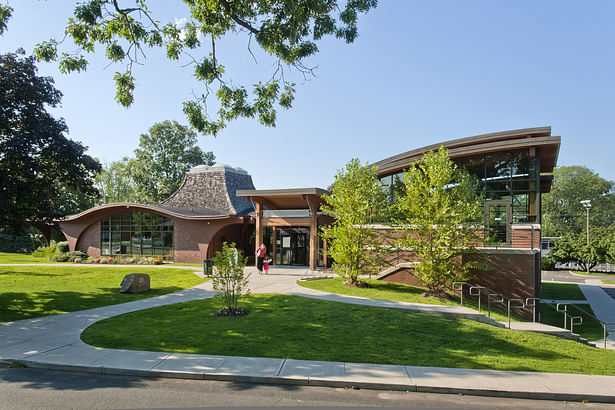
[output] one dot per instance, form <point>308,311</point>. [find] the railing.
<point>578,320</point>
<point>517,303</point>
<point>497,297</point>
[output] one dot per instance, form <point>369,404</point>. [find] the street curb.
<point>307,381</point>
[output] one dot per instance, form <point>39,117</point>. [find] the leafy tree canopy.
<point>562,209</point>
<point>39,165</point>
<point>287,30</point>
<point>164,156</point>
<point>116,182</point>
<point>441,210</point>
<point>356,199</point>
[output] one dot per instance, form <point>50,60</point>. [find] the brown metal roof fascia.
<point>152,208</point>
<point>398,164</point>
<point>280,192</point>
<point>483,138</point>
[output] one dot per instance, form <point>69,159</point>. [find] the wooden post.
<point>313,204</point>
<point>259,226</point>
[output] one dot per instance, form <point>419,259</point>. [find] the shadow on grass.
<point>21,305</point>
<point>291,327</point>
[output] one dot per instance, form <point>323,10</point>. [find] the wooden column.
<point>259,225</point>
<point>313,204</point>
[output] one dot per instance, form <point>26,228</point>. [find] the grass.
<point>285,326</point>
<point>34,291</point>
<point>6,257</point>
<point>561,291</point>
<point>609,282</point>
<point>400,293</point>
<point>591,329</point>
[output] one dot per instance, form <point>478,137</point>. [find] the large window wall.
<point>507,175</point>
<point>137,234</point>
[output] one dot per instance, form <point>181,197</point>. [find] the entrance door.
<point>498,219</point>
<point>292,246</point>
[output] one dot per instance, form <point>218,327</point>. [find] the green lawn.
<point>400,293</point>
<point>286,326</point>
<point>609,282</point>
<point>32,291</point>
<point>22,258</point>
<point>561,291</point>
<point>591,328</point>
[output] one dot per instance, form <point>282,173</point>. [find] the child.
<point>266,266</point>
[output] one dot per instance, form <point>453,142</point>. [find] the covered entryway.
<point>287,220</point>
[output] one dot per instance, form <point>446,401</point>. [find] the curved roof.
<point>182,213</point>
<point>539,138</point>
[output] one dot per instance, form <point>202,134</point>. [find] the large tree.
<point>441,212</point>
<point>38,164</point>
<point>286,30</point>
<point>562,209</point>
<point>116,182</point>
<point>164,155</point>
<point>355,201</point>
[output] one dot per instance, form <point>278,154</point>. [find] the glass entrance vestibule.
<point>290,245</point>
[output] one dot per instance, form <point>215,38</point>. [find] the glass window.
<point>138,234</point>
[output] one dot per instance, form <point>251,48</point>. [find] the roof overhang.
<point>180,213</point>
<point>539,138</point>
<point>293,198</point>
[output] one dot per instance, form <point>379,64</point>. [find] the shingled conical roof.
<point>213,188</point>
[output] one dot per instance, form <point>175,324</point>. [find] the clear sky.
<point>421,72</point>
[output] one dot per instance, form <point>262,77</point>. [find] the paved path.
<point>53,342</point>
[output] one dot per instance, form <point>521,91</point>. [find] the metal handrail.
<point>489,300</point>
<point>572,319</point>
<point>460,289</point>
<point>564,311</point>
<point>512,306</point>
<point>605,325</point>
<point>479,288</point>
<point>531,302</point>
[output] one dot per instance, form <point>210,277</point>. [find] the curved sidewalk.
<point>54,342</point>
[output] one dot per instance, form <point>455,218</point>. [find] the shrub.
<point>228,279</point>
<point>61,257</point>
<point>62,247</point>
<point>157,262</point>
<point>78,254</point>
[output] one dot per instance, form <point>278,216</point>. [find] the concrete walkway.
<point>54,342</point>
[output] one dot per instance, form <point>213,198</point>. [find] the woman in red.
<point>261,253</point>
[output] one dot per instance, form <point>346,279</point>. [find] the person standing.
<point>261,253</point>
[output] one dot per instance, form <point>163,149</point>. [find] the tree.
<point>164,156</point>
<point>441,209</point>
<point>572,247</point>
<point>356,199</point>
<point>116,182</point>
<point>229,279</point>
<point>562,209</point>
<point>285,30</point>
<point>38,163</point>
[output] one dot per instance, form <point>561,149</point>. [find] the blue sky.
<point>421,72</point>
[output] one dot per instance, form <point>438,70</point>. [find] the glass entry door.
<point>292,246</point>
<point>498,220</point>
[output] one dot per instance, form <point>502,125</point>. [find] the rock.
<point>135,283</point>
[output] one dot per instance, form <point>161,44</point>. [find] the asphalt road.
<point>22,388</point>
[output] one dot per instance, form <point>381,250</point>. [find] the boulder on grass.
<point>135,283</point>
